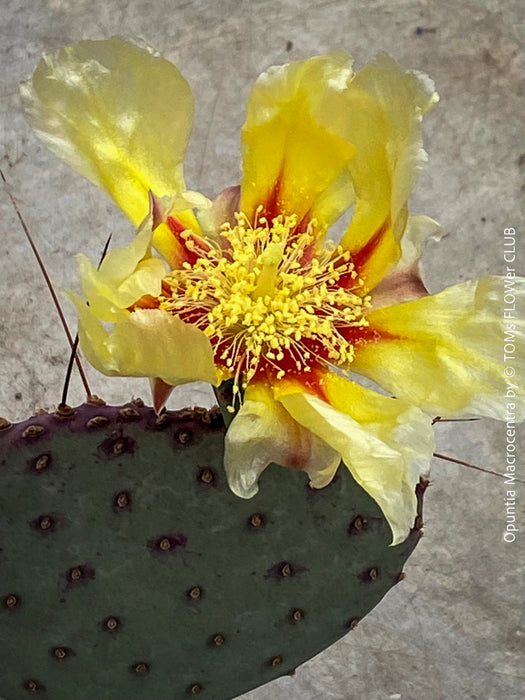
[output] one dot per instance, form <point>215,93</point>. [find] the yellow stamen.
<point>266,297</point>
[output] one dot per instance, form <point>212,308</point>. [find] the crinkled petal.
<point>386,444</point>
<point>124,276</point>
<point>121,262</point>
<point>222,210</point>
<point>384,109</point>
<point>444,353</point>
<point>164,240</point>
<point>404,282</point>
<point>145,280</point>
<point>336,199</point>
<point>146,343</point>
<point>293,149</point>
<point>262,432</point>
<point>118,113</point>
<point>93,336</point>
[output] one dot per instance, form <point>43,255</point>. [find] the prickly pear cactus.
<point>129,569</point>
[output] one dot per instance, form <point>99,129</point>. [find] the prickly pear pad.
<point>129,569</point>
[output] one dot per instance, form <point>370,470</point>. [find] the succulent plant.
<point>129,565</point>
<point>129,569</point>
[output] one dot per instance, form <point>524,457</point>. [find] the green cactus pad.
<point>129,570</point>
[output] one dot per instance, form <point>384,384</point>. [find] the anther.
<point>218,640</point>
<point>195,689</point>
<point>195,593</point>
<point>276,661</point>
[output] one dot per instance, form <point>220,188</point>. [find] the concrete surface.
<point>454,628</point>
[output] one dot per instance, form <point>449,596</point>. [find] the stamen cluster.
<point>268,299</point>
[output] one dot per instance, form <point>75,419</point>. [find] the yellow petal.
<point>384,108</point>
<point>262,432</point>
<point>93,337</point>
<point>403,282</point>
<point>385,444</point>
<point>146,280</point>
<point>444,353</point>
<point>125,275</point>
<point>292,147</point>
<point>118,113</point>
<point>164,241</point>
<point>146,343</point>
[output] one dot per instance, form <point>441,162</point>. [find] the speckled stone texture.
<point>453,629</point>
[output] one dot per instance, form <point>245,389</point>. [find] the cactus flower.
<point>250,288</point>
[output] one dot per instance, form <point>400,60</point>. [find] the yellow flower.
<point>249,288</point>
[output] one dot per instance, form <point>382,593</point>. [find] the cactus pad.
<point>129,570</point>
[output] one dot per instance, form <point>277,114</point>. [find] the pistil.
<point>270,259</point>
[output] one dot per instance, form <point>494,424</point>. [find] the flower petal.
<point>222,210</point>
<point>182,218</point>
<point>146,343</point>
<point>118,113</point>
<point>160,391</point>
<point>384,109</point>
<point>386,444</point>
<point>262,432</point>
<point>292,145</point>
<point>444,353</point>
<point>403,282</point>
<point>124,276</point>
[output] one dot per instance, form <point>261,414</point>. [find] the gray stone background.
<point>454,628</point>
